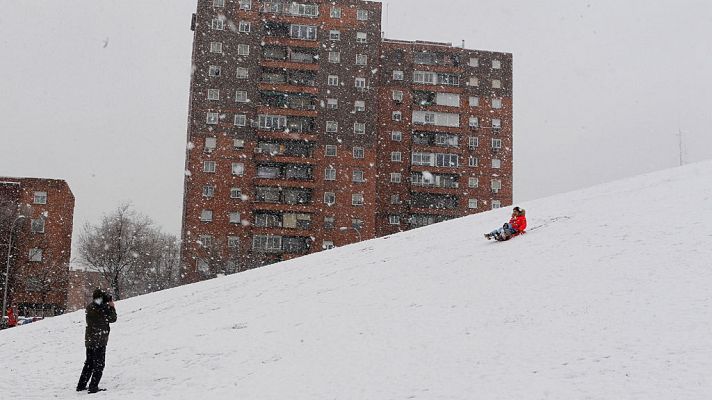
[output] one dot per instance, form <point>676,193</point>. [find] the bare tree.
<point>128,250</point>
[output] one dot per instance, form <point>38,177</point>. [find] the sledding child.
<point>517,224</point>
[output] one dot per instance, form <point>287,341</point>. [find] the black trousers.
<point>93,368</point>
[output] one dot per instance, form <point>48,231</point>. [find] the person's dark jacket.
<point>98,319</point>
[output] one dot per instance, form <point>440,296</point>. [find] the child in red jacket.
<point>517,224</point>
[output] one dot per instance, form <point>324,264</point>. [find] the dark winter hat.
<point>98,294</point>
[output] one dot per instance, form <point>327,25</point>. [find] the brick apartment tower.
<point>41,243</point>
<point>295,142</point>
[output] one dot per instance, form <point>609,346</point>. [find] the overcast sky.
<point>96,91</point>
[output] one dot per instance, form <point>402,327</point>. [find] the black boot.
<point>96,390</point>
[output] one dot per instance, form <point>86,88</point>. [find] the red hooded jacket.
<point>11,319</point>
<point>519,223</point>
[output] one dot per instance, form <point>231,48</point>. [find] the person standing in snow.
<point>517,224</point>
<point>11,318</point>
<point>99,314</point>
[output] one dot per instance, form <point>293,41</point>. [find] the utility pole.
<point>680,146</point>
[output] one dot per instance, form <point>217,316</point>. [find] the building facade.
<point>292,132</point>
<point>41,243</point>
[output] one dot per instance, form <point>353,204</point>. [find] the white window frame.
<point>360,83</point>
<point>335,57</point>
<point>474,101</point>
<point>236,193</point>
<point>357,199</point>
<point>242,73</point>
<point>496,103</point>
<point>240,120</point>
<point>398,75</point>
<point>396,156</point>
<point>212,118</point>
<point>241,96</point>
<point>473,182</point>
<point>218,24</point>
<point>209,167</point>
<point>397,136</point>
<point>234,217</point>
<point>329,198</point>
<point>472,204</point>
<point>330,150</point>
<point>362,15</point>
<point>333,80</point>
<point>39,198</point>
<point>397,95</point>
<point>206,215</point>
<point>496,64</point>
<point>213,94</point>
<point>359,128</point>
<point>216,47</point>
<point>358,153</point>
<point>238,169</point>
<point>358,176</point>
<point>35,255</point>
<point>332,126</point>
<point>396,177</point>
<point>335,35</point>
<point>243,49</point>
<point>496,163</point>
<point>332,104</point>
<point>359,106</point>
<point>474,122</point>
<point>330,173</point>
<point>397,116</point>
<point>474,62</point>
<point>335,12</point>
<point>244,27</point>
<point>361,59</point>
<point>496,143</point>
<point>394,219</point>
<point>473,162</point>
<point>215,71</point>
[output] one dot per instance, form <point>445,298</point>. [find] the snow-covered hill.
<point>609,296</point>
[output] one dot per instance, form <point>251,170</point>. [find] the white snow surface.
<point>608,296</point>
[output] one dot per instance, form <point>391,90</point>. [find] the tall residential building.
<point>307,130</point>
<point>39,215</point>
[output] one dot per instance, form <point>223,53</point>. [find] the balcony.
<point>282,123</point>
<point>275,171</point>
<point>297,221</point>
<point>288,101</point>
<point>433,201</point>
<point>426,180</point>
<point>421,220</point>
<point>294,149</point>
<point>296,32</point>
<point>287,53</point>
<point>280,244</point>
<point>287,196</point>
<point>436,139</point>
<point>294,81</point>
<point>290,8</point>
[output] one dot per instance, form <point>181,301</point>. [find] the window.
<point>496,185</point>
<point>357,176</point>
<point>330,173</point>
<point>329,198</point>
<point>361,37</point>
<point>473,81</point>
<point>474,101</point>
<point>359,128</point>
<point>211,144</point>
<point>304,10</point>
<point>40,198</point>
<point>447,99</point>
<point>474,62</point>
<point>496,103</point>
<point>360,83</point>
<point>357,199</point>
<point>38,225</point>
<point>238,144</point>
<point>394,219</point>
<point>329,222</point>
<point>332,104</point>
<point>209,166</point>
<point>327,245</point>
<point>396,136</point>
<point>496,84</point>
<point>214,71</point>
<point>208,191</point>
<point>240,120</point>
<point>358,152</point>
<point>35,255</point>
<point>236,193</point>
<point>396,156</point>
<point>206,215</point>
<point>496,123</point>
<point>235,218</point>
<point>361,59</point>
<point>473,161</point>
<point>245,4</point>
<point>496,143</point>
<point>496,163</point>
<point>205,241</point>
<point>474,122</point>
<point>233,242</point>
<point>218,24</point>
<point>496,204</point>
<point>244,27</point>
<point>334,57</point>
<point>335,12</point>
<point>216,47</point>
<point>435,78</point>
<point>473,182</point>
<point>267,243</point>
<point>304,32</point>
<point>241,96</point>
<point>357,224</point>
<point>212,118</point>
<point>362,15</point>
<point>397,116</point>
<point>335,35</point>
<point>496,64</point>
<point>398,75</point>
<point>473,142</point>
<point>213,94</point>
<point>330,150</point>
<point>359,106</point>
<point>272,122</point>
<point>238,169</point>
<point>396,177</point>
<point>243,49</point>
<point>333,80</point>
<point>472,204</point>
<point>242,73</point>
<point>436,118</point>
<point>218,3</point>
<point>332,126</point>
<point>395,199</point>
<point>398,96</point>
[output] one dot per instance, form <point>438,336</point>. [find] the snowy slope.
<point>610,297</point>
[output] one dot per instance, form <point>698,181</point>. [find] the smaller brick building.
<point>41,243</point>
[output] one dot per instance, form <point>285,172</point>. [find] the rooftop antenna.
<point>387,16</point>
<point>463,43</point>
